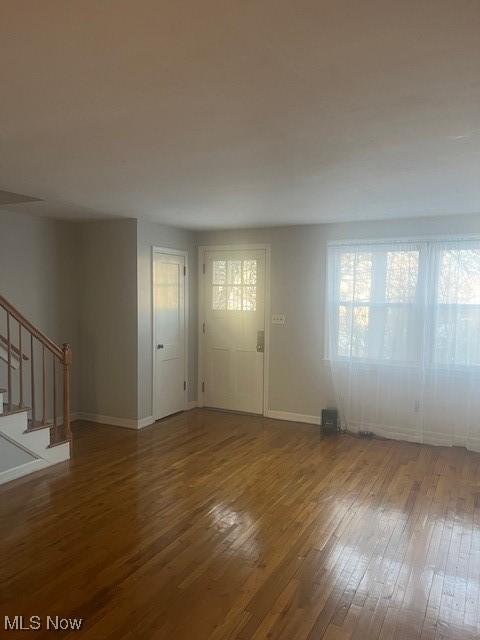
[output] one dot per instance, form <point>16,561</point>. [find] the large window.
<point>405,303</point>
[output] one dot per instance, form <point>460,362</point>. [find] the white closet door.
<point>169,334</point>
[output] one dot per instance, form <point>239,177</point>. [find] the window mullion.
<point>376,332</point>
<point>428,307</point>
<point>354,285</point>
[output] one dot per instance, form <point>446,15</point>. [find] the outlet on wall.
<point>278,318</point>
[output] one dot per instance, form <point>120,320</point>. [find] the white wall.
<point>299,377</point>
<point>151,235</point>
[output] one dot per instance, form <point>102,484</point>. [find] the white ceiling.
<point>236,113</point>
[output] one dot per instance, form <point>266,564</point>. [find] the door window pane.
<point>219,271</point>
<point>250,272</point>
<point>234,285</point>
<point>249,298</point>
<point>234,272</point>
<point>219,297</point>
<point>234,298</point>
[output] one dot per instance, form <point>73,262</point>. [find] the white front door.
<point>234,329</point>
<point>169,333</point>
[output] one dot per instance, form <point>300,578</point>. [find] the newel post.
<point>67,361</point>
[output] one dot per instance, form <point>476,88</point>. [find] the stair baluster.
<point>55,429</point>
<point>13,356</point>
<point>32,381</point>
<point>20,382</point>
<point>9,364</point>
<point>44,389</point>
<point>67,359</point>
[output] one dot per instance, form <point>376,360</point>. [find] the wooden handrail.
<point>15,349</point>
<point>39,335</point>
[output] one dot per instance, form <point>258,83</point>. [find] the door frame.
<point>266,355</point>
<point>184,254</point>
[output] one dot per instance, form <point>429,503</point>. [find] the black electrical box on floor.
<point>329,420</point>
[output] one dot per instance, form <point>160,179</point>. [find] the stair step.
<point>56,444</point>
<point>57,435</point>
<point>35,426</point>
<point>54,431</point>
<point>15,409</point>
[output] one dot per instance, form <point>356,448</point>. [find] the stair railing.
<point>60,356</point>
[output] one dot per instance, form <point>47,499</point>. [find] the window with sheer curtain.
<point>404,339</point>
<point>414,303</point>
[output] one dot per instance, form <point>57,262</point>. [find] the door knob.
<point>159,346</point>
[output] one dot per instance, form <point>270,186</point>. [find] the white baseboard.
<point>292,417</point>
<point>125,423</point>
<point>74,415</point>
<point>145,422</point>
<point>417,436</point>
<point>473,444</point>
<point>24,469</point>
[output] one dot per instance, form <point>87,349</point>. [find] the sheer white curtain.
<point>403,338</point>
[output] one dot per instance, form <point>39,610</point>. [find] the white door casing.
<point>169,332</point>
<point>232,331</point>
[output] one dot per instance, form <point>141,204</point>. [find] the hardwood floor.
<point>213,525</point>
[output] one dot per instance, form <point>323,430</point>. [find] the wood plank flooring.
<point>220,526</point>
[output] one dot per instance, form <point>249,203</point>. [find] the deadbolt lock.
<point>260,341</point>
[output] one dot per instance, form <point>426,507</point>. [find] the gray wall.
<point>299,376</point>
<point>150,235</point>
<point>297,379</point>
<point>38,275</point>
<point>89,284</point>
<point>107,308</point>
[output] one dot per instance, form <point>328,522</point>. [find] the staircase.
<point>34,396</point>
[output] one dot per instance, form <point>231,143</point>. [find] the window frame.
<point>425,305</point>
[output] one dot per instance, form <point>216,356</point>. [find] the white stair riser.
<point>14,426</point>
<point>59,453</point>
<point>36,442</point>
